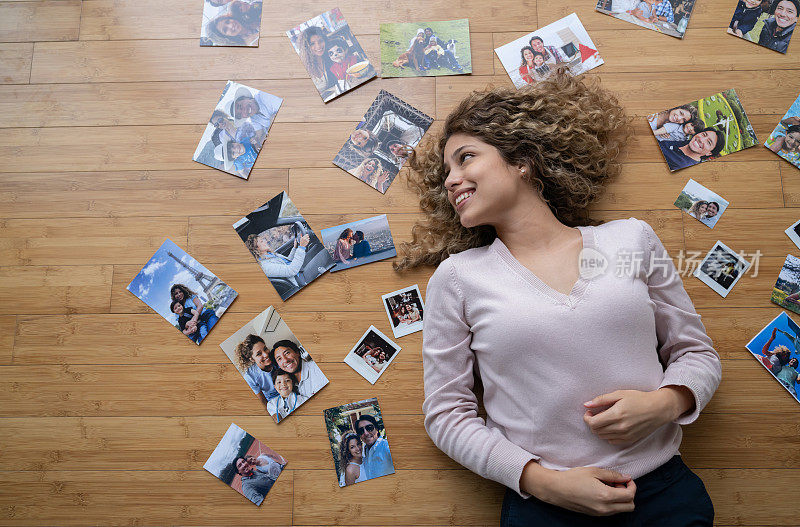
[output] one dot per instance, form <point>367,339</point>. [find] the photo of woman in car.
<point>284,245</point>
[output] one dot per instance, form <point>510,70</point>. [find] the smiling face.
<point>679,115</point>
<point>785,14</point>
<point>688,129</point>
<point>317,45</point>
<point>397,149</point>
<point>793,363</point>
<point>336,53</point>
<point>359,138</point>
<point>528,56</point>
<point>177,309</point>
<point>752,3</point>
<point>711,210</point>
<point>260,355</point>
<point>246,107</point>
<point>287,359</point>
<point>177,294</point>
<point>354,448</point>
<point>792,142</point>
<point>703,143</point>
<point>537,45</point>
<point>702,209</point>
<point>538,60</point>
<point>284,385</point>
<point>367,432</point>
<point>370,166</point>
<point>237,150</point>
<point>230,27</point>
<point>245,466</point>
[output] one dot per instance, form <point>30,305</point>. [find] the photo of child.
<point>416,49</point>
<point>670,17</point>
<point>372,354</point>
<point>776,349</point>
<point>230,23</point>
<point>785,138</point>
<point>768,23</point>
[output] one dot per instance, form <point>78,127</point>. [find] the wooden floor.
<point>108,414</point>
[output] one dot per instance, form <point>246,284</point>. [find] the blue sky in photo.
<point>227,448</point>
<point>782,322</point>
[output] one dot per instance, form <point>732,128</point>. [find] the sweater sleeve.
<point>683,344</point>
<point>451,406</point>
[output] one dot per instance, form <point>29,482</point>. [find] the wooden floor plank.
<point>752,290</point>
<point>55,289</point>
<point>40,21</point>
<point>744,230</point>
<point>8,329</point>
<point>15,63</point>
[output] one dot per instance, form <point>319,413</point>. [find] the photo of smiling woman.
<point>785,138</point>
<point>505,190</point>
<point>235,23</point>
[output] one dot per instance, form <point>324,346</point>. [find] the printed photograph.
<point>785,138</point>
<point>768,23</point>
<point>793,232</point>
<point>702,130</point>
<point>776,349</point>
<point>786,292</point>
<point>665,16</point>
<point>535,56</point>
<point>331,54</point>
<point>245,464</point>
<point>274,364</point>
<point>230,23</point>
<point>359,242</point>
<point>381,143</point>
<point>372,354</point>
<point>183,292</point>
<point>701,203</point>
<point>405,310</point>
<point>284,245</point>
<point>721,269</point>
<point>359,444</point>
<point>237,129</point>
<point>418,49</point>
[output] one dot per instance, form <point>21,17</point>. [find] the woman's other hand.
<point>304,240</point>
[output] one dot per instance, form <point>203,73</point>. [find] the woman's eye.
<point>464,156</point>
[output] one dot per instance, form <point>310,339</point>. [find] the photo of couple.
<point>776,349</point>
<point>701,203</point>
<point>768,23</point>
<point>785,138</point>
<point>245,464</point>
<point>237,129</point>
<point>405,310</point>
<point>359,242</point>
<point>331,54</point>
<point>183,292</point>
<point>230,23</point>
<point>371,354</point>
<point>564,43</point>
<point>284,245</point>
<point>425,48</point>
<point>721,269</point>
<point>381,143</point>
<point>274,364</point>
<point>702,130</point>
<point>665,16</point>
<point>359,444</point>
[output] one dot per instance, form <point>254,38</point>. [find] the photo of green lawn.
<point>419,49</point>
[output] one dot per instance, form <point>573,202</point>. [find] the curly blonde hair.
<point>569,132</point>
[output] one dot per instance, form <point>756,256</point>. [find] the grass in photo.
<point>785,138</point>
<point>786,291</point>
<point>415,49</point>
<point>768,23</point>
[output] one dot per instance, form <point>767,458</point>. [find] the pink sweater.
<point>541,354</point>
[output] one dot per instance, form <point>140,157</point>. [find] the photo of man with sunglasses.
<point>377,458</point>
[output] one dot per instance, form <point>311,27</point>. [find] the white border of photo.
<point>713,284</point>
<point>413,328</point>
<point>358,363</point>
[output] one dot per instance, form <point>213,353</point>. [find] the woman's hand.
<point>588,490</point>
<point>304,240</point>
<point>626,416</point>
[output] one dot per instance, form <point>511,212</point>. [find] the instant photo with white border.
<point>359,363</point>
<point>707,279</point>
<point>793,232</point>
<point>401,329</point>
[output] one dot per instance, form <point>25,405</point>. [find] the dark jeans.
<point>670,496</point>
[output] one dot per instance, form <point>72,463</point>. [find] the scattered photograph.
<point>182,291</point>
<point>237,129</point>
<point>786,292</point>
<point>274,364</point>
<point>793,233</point>
<point>418,49</point>
<point>702,130</point>
<point>535,56</point>
<point>372,354</point>
<point>785,138</point>
<point>768,23</point>
<point>359,444</point>
<point>721,269</point>
<point>776,348</point>
<point>405,310</point>
<point>284,245</point>
<point>381,143</point>
<point>331,54</point>
<point>245,464</point>
<point>701,203</point>
<point>665,16</point>
<point>359,242</point>
<point>230,23</point>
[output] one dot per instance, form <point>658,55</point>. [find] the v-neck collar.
<point>578,289</point>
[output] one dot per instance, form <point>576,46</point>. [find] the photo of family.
<point>535,56</point>
<point>417,49</point>
<point>793,232</point>
<point>331,54</point>
<point>359,444</point>
<point>183,292</point>
<point>237,129</point>
<point>381,143</point>
<point>284,245</point>
<point>405,310</point>
<point>786,291</point>
<point>230,23</point>
<point>702,130</point>
<point>274,364</point>
<point>785,138</point>
<point>768,23</point>
<point>359,242</point>
<point>721,269</point>
<point>776,348</point>
<point>665,16</point>
<point>245,464</point>
<point>372,354</point>
<point>701,203</point>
